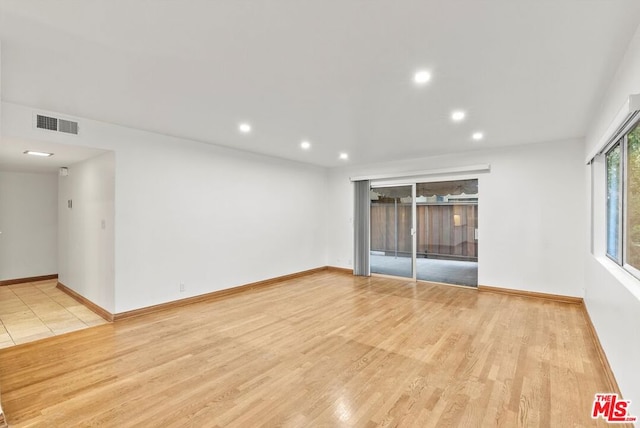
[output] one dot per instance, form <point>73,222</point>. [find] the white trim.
<point>622,275</point>
<point>425,179</point>
<point>383,185</point>
<point>632,270</point>
<point>630,106</point>
<point>443,171</point>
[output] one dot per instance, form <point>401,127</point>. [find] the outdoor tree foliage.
<point>633,197</point>
<point>613,199</point>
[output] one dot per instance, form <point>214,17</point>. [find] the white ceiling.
<point>12,157</point>
<point>338,73</point>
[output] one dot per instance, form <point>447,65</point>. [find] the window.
<point>632,256</point>
<point>614,206</point>
<point>623,200</point>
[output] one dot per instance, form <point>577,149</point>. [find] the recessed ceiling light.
<point>458,115</point>
<point>244,127</point>
<point>344,156</point>
<point>421,77</point>
<point>477,136</point>
<point>305,145</point>
<point>43,154</point>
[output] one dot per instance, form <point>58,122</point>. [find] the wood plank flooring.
<point>328,349</point>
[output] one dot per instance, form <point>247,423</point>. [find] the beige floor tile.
<point>26,291</point>
<point>83,313</point>
<point>6,291</point>
<point>31,338</point>
<point>48,308</point>
<point>56,317</point>
<point>67,328</point>
<point>35,299</point>
<point>50,291</point>
<point>12,308</point>
<point>97,321</point>
<point>61,318</point>
<point>16,316</point>
<point>11,305</point>
<point>46,284</point>
<point>37,310</point>
<point>23,285</point>
<point>63,323</point>
<point>5,343</point>
<point>46,289</point>
<point>6,294</point>
<point>8,297</point>
<point>25,319</point>
<point>26,328</point>
<point>64,299</point>
<point>31,295</point>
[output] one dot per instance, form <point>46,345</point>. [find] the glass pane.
<point>447,224</point>
<point>391,240</point>
<point>614,176</point>
<point>632,255</point>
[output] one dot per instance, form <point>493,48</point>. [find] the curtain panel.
<point>361,228</point>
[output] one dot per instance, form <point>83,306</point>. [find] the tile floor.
<point>36,310</point>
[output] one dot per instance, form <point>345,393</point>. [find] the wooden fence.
<point>444,231</point>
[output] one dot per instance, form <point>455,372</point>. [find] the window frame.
<point>620,139</point>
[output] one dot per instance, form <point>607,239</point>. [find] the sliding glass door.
<point>447,232</point>
<point>392,240</point>
<point>426,231</point>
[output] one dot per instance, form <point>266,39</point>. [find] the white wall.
<point>189,212</point>
<point>0,87</point>
<point>211,218</point>
<point>531,221</point>
<point>86,230</point>
<point>28,222</point>
<point>612,296</point>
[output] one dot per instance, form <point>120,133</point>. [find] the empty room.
<point>416,213</point>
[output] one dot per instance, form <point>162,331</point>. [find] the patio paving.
<point>447,271</point>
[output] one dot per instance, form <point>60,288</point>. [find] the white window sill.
<point>629,281</point>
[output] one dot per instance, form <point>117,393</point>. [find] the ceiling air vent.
<point>55,124</point>
<point>68,126</point>
<point>50,123</point>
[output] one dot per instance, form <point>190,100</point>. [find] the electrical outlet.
<point>181,287</point>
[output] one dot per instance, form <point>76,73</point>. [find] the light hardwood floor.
<point>328,349</point>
